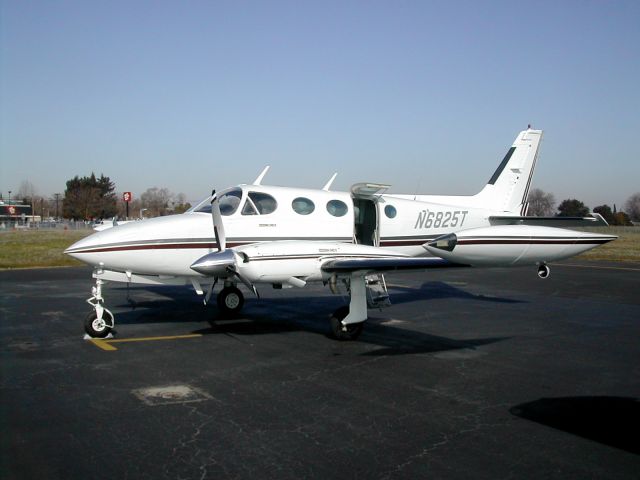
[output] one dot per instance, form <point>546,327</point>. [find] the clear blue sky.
<point>426,96</point>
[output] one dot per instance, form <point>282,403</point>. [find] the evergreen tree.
<point>572,208</point>
<point>89,198</point>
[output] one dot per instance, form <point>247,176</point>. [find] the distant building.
<point>15,212</point>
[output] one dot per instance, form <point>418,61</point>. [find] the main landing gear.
<point>340,331</point>
<point>230,301</point>
<point>99,322</point>
<point>347,322</point>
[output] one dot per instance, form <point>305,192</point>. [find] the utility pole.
<point>57,195</point>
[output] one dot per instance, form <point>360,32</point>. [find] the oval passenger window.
<point>303,206</point>
<point>337,208</point>
<point>390,211</point>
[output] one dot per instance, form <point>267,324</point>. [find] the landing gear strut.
<point>99,322</point>
<point>347,322</point>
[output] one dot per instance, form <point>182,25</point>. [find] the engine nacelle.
<point>509,245</point>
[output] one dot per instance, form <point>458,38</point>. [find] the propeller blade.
<point>218,225</point>
<point>247,283</point>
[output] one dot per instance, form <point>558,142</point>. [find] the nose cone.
<point>82,249</point>
<point>80,245</point>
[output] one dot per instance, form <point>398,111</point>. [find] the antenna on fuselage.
<point>258,180</point>
<point>330,182</point>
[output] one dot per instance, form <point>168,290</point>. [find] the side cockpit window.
<point>248,208</point>
<point>259,204</point>
<point>265,204</point>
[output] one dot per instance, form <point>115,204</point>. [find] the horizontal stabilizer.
<point>559,222</point>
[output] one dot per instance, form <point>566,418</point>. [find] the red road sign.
<point>127,197</point>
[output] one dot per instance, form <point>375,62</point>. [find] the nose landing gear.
<point>99,322</point>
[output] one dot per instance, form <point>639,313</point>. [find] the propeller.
<point>218,226</point>
<point>223,262</point>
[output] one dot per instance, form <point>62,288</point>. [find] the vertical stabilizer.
<point>508,187</point>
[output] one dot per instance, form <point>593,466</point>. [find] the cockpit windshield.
<point>229,203</point>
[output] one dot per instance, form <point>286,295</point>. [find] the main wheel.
<point>98,328</point>
<point>230,301</point>
<point>344,332</point>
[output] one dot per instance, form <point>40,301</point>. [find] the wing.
<point>373,265</point>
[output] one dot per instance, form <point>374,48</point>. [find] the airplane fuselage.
<point>169,245</point>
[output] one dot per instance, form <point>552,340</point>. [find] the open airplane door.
<point>366,199</point>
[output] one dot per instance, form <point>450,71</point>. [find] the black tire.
<point>95,328</point>
<point>230,301</point>
<point>339,331</point>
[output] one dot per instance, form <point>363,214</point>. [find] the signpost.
<point>127,197</point>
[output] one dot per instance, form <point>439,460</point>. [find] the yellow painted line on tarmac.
<point>105,344</point>
<point>98,342</point>
<point>595,266</point>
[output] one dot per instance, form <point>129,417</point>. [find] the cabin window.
<point>390,211</point>
<point>303,206</point>
<point>264,204</point>
<point>337,208</point>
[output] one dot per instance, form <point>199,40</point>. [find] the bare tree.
<point>541,204</point>
<point>156,201</point>
<point>180,204</point>
<point>632,207</point>
<point>26,191</point>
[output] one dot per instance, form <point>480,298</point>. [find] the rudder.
<point>509,185</point>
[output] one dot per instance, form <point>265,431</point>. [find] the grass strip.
<point>38,248</point>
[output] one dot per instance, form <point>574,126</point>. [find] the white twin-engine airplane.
<point>288,237</point>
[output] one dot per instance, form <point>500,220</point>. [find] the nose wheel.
<point>98,327</point>
<point>230,301</point>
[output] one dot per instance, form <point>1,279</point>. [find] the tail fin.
<point>508,188</point>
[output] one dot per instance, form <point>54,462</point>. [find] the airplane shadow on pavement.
<point>613,421</point>
<point>439,290</point>
<point>289,313</point>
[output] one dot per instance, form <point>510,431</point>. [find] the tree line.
<point>92,198</point>
<point>542,204</point>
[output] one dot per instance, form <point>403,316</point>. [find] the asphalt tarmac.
<point>470,374</point>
